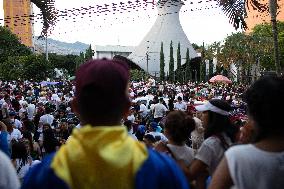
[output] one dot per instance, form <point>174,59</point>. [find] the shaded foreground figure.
<point>260,164</point>
<point>101,154</point>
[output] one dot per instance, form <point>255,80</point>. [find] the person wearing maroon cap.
<point>101,154</point>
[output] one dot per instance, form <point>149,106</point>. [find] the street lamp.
<point>273,13</point>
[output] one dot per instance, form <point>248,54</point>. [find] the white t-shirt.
<point>46,118</point>
<point>17,123</point>
<point>158,134</point>
<point>251,167</point>
<point>159,110</point>
<point>183,153</point>
<point>16,134</point>
<point>8,176</point>
<point>180,106</point>
<point>131,118</point>
<point>143,108</point>
<point>211,152</point>
<point>31,111</point>
<point>24,168</point>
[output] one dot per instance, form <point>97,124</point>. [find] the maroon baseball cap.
<point>110,77</point>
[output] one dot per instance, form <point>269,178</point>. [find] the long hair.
<point>19,151</point>
<point>218,124</point>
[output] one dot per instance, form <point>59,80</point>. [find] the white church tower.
<point>167,28</point>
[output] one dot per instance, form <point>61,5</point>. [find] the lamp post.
<point>46,50</point>
<point>273,14</point>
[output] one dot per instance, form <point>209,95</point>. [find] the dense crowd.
<point>193,124</point>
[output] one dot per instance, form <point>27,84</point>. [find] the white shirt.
<point>180,106</point>
<point>251,167</point>
<point>15,134</point>
<point>211,152</point>
<point>159,110</point>
<point>46,118</point>
<point>31,111</point>
<point>17,123</point>
<point>158,134</point>
<point>8,176</point>
<point>131,118</point>
<point>184,153</point>
<point>143,108</point>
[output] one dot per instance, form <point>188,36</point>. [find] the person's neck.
<point>174,143</point>
<point>272,144</point>
<point>107,123</point>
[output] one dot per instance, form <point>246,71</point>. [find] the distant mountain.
<point>59,47</point>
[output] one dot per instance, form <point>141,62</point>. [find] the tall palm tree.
<point>235,10</point>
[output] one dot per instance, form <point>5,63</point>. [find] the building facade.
<point>17,19</point>
<point>254,17</point>
<point>109,51</point>
<point>166,29</point>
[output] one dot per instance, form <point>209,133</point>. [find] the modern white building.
<point>109,51</point>
<point>167,28</point>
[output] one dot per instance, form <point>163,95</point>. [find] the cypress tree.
<point>188,67</point>
<point>179,71</point>
<point>171,64</point>
<point>162,63</point>
<point>89,53</point>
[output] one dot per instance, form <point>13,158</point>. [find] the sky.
<point>129,28</point>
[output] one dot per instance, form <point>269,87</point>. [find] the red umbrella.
<point>220,78</point>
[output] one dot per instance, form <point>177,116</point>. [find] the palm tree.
<point>235,10</point>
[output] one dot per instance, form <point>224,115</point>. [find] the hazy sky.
<point>129,28</point>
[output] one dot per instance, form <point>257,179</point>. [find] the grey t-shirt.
<point>211,152</point>
<point>251,167</point>
<point>8,176</point>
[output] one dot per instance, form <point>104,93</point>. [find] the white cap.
<point>210,107</point>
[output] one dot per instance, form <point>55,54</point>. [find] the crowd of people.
<point>105,131</point>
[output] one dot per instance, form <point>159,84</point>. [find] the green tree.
<point>188,66</point>
<point>80,60</point>
<point>138,75</point>
<point>171,64</point>
<point>179,71</point>
<point>162,63</point>
<point>25,67</point>
<point>89,53</point>
<point>36,67</point>
<point>11,45</point>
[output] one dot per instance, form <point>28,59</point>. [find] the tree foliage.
<point>11,45</point>
<point>89,53</point>
<point>178,71</point>
<point>138,75</point>
<point>188,66</point>
<point>162,63</point>
<point>171,64</point>
<point>25,67</point>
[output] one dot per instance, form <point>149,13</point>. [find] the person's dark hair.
<point>49,141</point>
<point>19,151</point>
<point>179,126</point>
<point>218,123</point>
<point>9,125</point>
<point>97,104</point>
<point>150,137</point>
<point>265,106</point>
<point>128,124</point>
<point>28,135</point>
